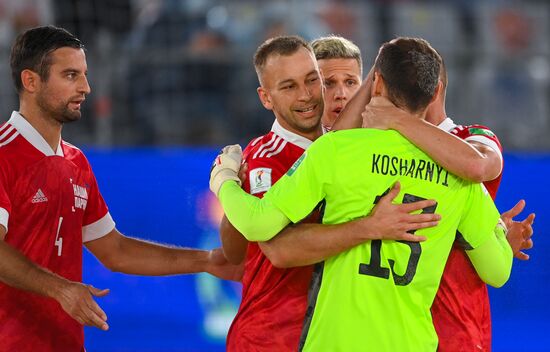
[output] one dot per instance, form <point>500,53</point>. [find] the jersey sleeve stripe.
<point>281,147</point>
<point>5,127</point>
<point>272,148</point>
<point>98,229</point>
<point>264,146</point>
<point>486,141</point>
<point>7,141</point>
<point>4,216</point>
<point>6,132</point>
<point>254,142</point>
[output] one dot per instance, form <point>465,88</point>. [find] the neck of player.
<point>48,127</point>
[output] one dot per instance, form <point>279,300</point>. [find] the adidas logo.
<point>39,197</point>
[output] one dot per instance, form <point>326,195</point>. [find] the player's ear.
<point>438,91</point>
<point>378,85</point>
<point>30,80</point>
<point>265,98</point>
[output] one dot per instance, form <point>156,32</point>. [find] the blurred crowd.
<point>179,72</point>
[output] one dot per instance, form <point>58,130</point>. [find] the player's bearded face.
<point>60,110</point>
<point>61,94</point>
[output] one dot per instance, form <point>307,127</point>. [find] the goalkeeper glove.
<point>226,167</point>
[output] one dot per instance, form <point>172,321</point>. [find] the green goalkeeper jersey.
<point>377,296</point>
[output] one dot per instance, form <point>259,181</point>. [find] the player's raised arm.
<point>472,161</point>
<point>469,158</point>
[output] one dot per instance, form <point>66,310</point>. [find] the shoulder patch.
<point>481,132</point>
<point>260,180</point>
<point>295,165</point>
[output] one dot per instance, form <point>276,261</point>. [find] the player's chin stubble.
<point>67,115</point>
<point>60,113</point>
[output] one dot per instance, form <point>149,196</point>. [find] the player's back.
<point>377,295</point>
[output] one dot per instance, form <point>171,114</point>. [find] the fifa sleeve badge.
<point>260,180</point>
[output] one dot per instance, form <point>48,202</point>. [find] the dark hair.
<point>282,45</point>
<point>410,68</point>
<point>32,50</point>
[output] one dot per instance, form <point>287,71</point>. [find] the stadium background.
<point>173,80</point>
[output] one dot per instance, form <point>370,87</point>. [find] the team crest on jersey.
<point>480,131</point>
<point>260,180</point>
<point>295,165</point>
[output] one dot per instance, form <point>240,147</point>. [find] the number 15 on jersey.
<point>375,268</point>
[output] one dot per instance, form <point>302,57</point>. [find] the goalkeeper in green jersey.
<point>375,296</point>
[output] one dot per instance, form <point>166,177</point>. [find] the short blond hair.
<point>335,47</point>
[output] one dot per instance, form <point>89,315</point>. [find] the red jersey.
<point>461,311</point>
<point>274,301</point>
<point>50,204</point>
